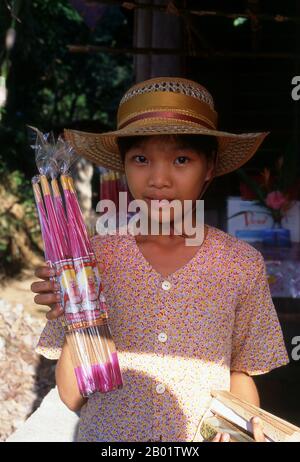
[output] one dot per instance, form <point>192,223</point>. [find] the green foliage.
<point>256,188</point>
<point>18,218</point>
<point>50,87</point>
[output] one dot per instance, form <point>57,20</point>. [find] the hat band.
<point>166,115</point>
<point>166,101</point>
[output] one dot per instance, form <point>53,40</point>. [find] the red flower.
<point>276,200</point>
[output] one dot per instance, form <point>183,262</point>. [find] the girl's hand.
<point>48,291</point>
<point>257,433</point>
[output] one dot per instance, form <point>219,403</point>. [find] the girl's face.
<point>159,169</point>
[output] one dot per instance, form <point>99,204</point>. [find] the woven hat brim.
<point>234,150</point>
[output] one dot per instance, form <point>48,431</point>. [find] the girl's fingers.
<point>47,298</point>
<point>44,272</point>
<point>55,312</point>
<point>225,438</point>
<point>221,438</point>
<point>217,438</point>
<point>257,430</point>
<point>47,291</point>
<point>44,286</point>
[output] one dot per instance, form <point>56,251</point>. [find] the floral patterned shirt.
<point>177,337</point>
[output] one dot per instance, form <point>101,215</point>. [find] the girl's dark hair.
<point>203,144</point>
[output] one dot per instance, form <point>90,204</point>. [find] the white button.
<point>162,337</point>
<point>160,388</point>
<point>166,285</point>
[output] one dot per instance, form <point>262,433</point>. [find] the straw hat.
<point>166,105</point>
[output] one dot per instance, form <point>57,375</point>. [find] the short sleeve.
<point>257,342</point>
<point>52,339</point>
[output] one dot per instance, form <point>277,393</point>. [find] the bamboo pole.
<point>172,9</point>
<point>173,51</point>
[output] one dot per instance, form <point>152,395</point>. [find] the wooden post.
<point>158,30</point>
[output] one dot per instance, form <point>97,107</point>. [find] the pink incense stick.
<point>77,242</point>
<point>61,215</point>
<point>114,189</point>
<point>78,214</point>
<point>105,186</point>
<point>55,229</point>
<point>48,248</point>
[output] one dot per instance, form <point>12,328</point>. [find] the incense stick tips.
<point>45,185</point>
<point>64,182</point>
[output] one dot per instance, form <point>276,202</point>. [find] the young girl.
<point>185,319</point>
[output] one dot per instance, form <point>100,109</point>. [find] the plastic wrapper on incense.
<point>68,249</point>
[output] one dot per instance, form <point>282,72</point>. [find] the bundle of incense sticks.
<point>227,413</point>
<point>68,249</point>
